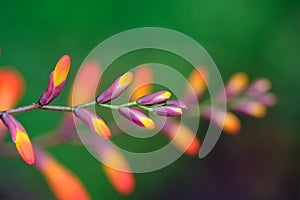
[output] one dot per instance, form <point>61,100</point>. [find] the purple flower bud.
<point>95,123</point>
<point>267,99</point>
<point>176,103</point>
<point>225,120</point>
<point>155,98</point>
<point>57,80</point>
<point>137,117</point>
<point>250,108</point>
<point>168,111</point>
<point>19,137</point>
<point>258,87</point>
<point>116,89</point>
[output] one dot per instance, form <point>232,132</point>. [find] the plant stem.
<point>36,106</point>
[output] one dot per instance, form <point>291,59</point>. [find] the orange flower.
<point>198,81</point>
<point>182,137</point>
<point>12,87</point>
<point>123,182</point>
<point>64,184</point>
<point>141,85</point>
<point>86,83</point>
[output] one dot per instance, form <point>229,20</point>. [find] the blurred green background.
<point>258,37</point>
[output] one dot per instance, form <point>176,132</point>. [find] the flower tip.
<point>24,147</point>
<point>194,147</point>
<point>237,83</point>
<point>148,123</point>
<point>95,123</point>
<point>137,117</point>
<point>258,110</point>
<point>101,128</point>
<point>123,182</point>
<point>125,79</point>
<point>61,70</point>
<point>232,124</point>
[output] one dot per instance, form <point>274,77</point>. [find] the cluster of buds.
<point>156,103</point>
<point>241,98</point>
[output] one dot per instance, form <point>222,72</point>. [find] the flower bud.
<point>137,117</point>
<point>227,121</point>
<point>116,89</point>
<point>267,99</point>
<point>57,80</point>
<point>250,108</point>
<point>259,87</point>
<point>176,103</point>
<point>155,98</point>
<point>236,84</point>
<point>168,111</point>
<point>95,123</point>
<point>19,137</point>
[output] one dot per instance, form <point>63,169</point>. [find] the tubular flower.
<point>137,117</point>
<point>95,123</point>
<point>168,111</point>
<point>64,184</point>
<point>155,98</point>
<point>20,138</point>
<point>57,80</point>
<point>116,89</point>
<point>182,137</point>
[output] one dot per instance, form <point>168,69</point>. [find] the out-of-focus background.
<point>258,37</point>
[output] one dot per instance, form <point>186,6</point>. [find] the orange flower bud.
<point>182,137</point>
<point>96,124</point>
<point>64,184</point>
<point>20,137</point>
<point>57,80</point>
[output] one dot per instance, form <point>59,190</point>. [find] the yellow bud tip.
<point>148,123</point>
<point>179,110</point>
<point>125,79</point>
<point>238,82</point>
<point>24,147</point>
<point>61,70</point>
<point>257,110</point>
<point>166,94</point>
<point>101,128</point>
<point>231,124</point>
